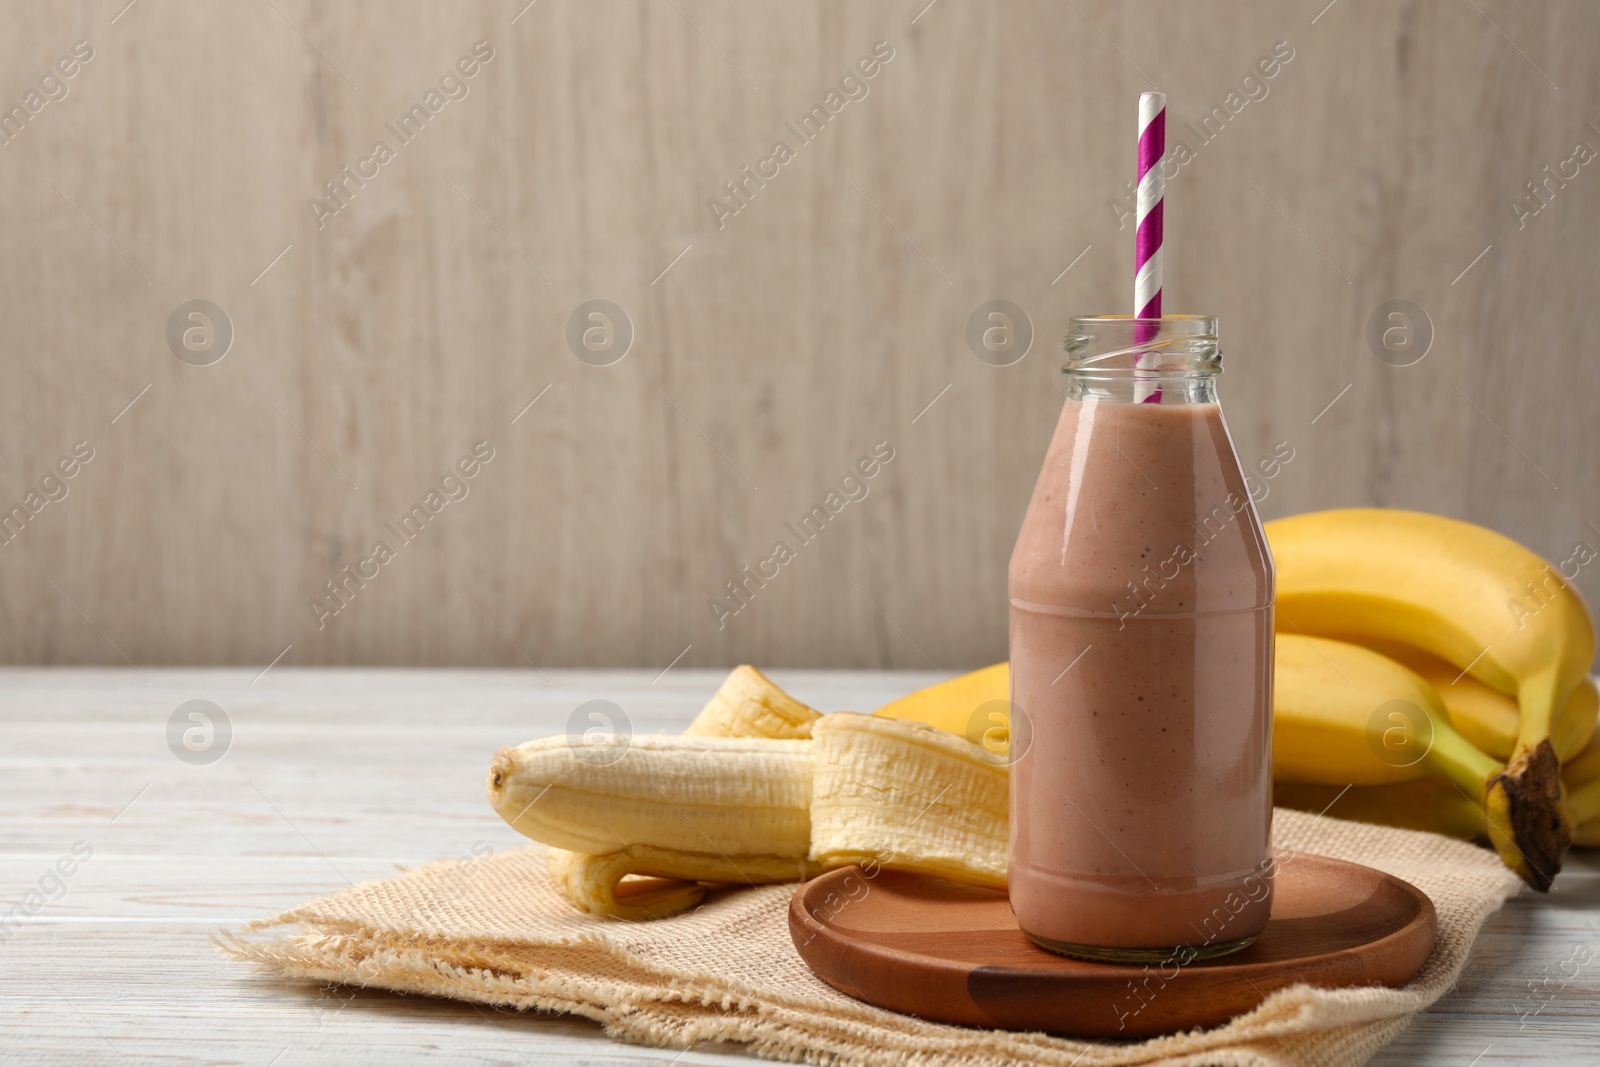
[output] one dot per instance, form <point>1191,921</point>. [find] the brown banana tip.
<point>1531,784</point>
<point>500,769</point>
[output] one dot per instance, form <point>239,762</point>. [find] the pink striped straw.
<point>1152,185</point>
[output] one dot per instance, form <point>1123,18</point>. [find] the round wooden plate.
<point>953,953</point>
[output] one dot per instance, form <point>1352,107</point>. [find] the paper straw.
<point>1152,186</point>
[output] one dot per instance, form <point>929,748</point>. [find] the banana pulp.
<point>637,832</point>
<point>749,705</point>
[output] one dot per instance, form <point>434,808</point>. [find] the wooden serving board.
<point>953,953</point>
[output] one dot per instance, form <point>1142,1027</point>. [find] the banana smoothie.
<point>1141,667</point>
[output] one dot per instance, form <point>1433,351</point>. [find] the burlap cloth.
<point>494,930</point>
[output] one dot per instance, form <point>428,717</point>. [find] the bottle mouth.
<point>1117,347</point>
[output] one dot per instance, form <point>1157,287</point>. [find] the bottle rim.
<point>1123,346</point>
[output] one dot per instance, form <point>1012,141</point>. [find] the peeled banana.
<point>1471,596</point>
<point>1492,648</point>
<point>724,808</point>
<point>612,886</point>
<point>638,837</point>
<point>630,883</point>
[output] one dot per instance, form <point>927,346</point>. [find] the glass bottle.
<point>1141,661</point>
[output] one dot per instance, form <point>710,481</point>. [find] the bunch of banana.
<point>760,789</point>
<point>1341,711</point>
<point>1473,598</point>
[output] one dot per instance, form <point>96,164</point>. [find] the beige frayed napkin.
<point>494,930</point>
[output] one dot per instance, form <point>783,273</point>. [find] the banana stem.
<point>1458,760</point>
<point>1539,696</point>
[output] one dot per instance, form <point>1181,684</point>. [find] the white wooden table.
<point>339,776</point>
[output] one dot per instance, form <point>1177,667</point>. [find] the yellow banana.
<point>1489,718</point>
<point>1346,715</point>
<point>952,705</point>
<point>1471,596</point>
<point>1583,767</point>
<point>1484,716</point>
<point>1342,715</point>
<point>1583,803</point>
<point>1327,691</point>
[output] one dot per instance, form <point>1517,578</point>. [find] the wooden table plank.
<point>348,774</point>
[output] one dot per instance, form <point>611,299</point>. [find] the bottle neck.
<point>1165,390</point>
<point>1121,359</point>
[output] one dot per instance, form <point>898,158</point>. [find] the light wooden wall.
<point>770,353</point>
